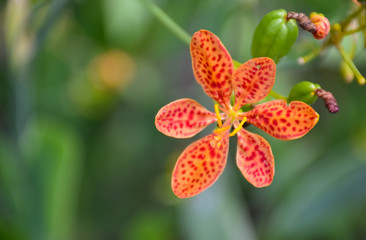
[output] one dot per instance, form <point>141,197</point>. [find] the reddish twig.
<point>303,21</point>
<point>329,100</point>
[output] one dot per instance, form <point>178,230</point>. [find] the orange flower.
<point>202,162</point>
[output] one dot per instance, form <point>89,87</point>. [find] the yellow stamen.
<point>216,142</point>
<point>217,139</point>
<point>219,122</point>
<point>236,130</point>
<point>222,129</point>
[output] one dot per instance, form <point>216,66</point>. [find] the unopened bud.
<point>322,25</point>
<point>304,91</point>
<point>274,36</point>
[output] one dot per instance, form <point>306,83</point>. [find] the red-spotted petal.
<point>200,165</point>
<point>253,80</point>
<point>183,118</point>
<point>282,121</point>
<point>212,66</point>
<point>255,159</point>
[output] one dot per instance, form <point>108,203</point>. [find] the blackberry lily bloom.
<point>202,162</point>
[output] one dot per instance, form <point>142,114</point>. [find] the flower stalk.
<point>277,95</point>
<point>166,21</point>
<point>360,79</point>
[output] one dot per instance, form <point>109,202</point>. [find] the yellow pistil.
<point>219,122</point>
<point>233,113</point>
<point>236,130</point>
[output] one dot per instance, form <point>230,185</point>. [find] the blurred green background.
<point>80,157</point>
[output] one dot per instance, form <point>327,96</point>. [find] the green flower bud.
<point>304,91</point>
<point>274,36</point>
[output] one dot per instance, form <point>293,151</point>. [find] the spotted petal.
<point>253,80</point>
<point>282,121</point>
<point>199,166</point>
<point>212,66</point>
<point>255,159</point>
<point>183,118</point>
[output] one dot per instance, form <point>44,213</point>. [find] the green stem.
<point>353,47</point>
<point>167,21</point>
<point>360,28</point>
<point>277,95</point>
<point>347,20</point>
<point>361,80</point>
<point>310,56</point>
<point>171,25</point>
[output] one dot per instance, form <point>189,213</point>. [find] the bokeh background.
<point>80,157</point>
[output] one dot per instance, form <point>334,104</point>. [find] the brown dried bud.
<point>303,21</point>
<point>329,100</point>
<point>318,25</point>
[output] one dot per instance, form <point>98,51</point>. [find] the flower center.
<point>231,116</point>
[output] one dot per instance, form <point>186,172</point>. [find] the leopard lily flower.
<point>202,162</point>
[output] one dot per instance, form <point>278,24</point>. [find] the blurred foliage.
<point>80,158</point>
